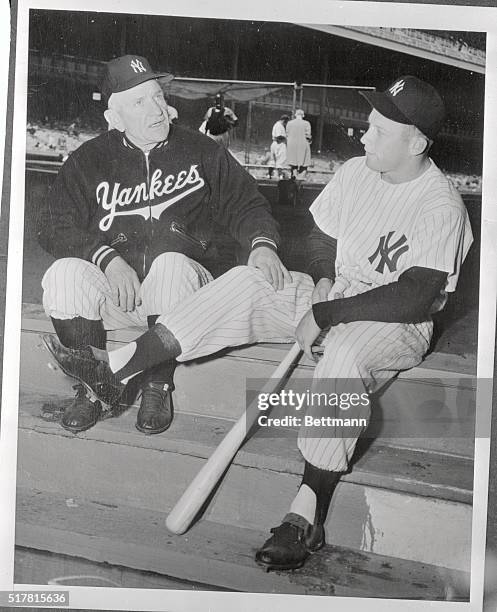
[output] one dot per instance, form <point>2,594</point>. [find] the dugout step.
<point>215,555</point>
<point>34,320</point>
<point>376,463</point>
<point>436,389</point>
<point>391,496</point>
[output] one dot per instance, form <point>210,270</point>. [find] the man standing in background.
<point>218,122</point>
<point>298,132</point>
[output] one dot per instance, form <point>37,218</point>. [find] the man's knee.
<point>72,287</point>
<point>69,270</point>
<point>178,268</point>
<point>245,276</point>
<point>172,260</point>
<point>342,352</point>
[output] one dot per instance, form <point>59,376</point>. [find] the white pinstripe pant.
<point>74,287</point>
<point>241,307</point>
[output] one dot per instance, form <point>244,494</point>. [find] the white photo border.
<point>464,18</point>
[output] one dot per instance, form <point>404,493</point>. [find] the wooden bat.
<point>201,486</point>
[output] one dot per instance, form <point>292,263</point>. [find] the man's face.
<point>386,143</point>
<point>143,113</point>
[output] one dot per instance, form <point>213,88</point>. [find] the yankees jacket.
<point>110,198</point>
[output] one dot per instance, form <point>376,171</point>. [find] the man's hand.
<point>270,265</point>
<point>124,284</point>
<point>322,290</point>
<point>307,331</point>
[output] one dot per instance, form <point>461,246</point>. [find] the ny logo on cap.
<point>137,66</point>
<point>397,87</point>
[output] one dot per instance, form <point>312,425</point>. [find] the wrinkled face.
<point>386,144</point>
<point>143,114</point>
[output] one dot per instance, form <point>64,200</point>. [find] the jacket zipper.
<point>178,229</point>
<point>145,249</point>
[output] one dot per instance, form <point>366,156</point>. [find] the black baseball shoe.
<point>96,376</point>
<point>289,546</point>
<point>155,414</point>
<point>82,413</point>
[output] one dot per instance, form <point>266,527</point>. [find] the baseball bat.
<point>193,498</point>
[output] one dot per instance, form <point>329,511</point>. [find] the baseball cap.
<point>411,101</point>
<point>125,72</point>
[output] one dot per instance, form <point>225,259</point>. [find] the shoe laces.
<point>287,532</point>
<point>154,396</point>
<point>80,390</point>
<point>82,393</point>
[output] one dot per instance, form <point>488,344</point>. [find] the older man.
<point>130,220</point>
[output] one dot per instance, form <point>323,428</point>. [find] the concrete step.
<point>442,388</point>
<point>37,566</point>
<point>212,554</point>
<point>394,502</point>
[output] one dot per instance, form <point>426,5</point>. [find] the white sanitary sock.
<point>120,357</point>
<point>304,503</point>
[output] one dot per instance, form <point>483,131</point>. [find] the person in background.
<point>298,133</point>
<point>278,147</point>
<point>218,122</point>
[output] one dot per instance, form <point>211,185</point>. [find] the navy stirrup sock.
<point>155,346</point>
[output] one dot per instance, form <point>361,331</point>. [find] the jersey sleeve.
<point>327,207</point>
<point>441,241</point>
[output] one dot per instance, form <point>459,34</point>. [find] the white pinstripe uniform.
<point>382,230</point>
<point>74,287</point>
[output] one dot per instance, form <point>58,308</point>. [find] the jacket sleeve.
<point>65,217</point>
<point>407,300</point>
<point>238,205</point>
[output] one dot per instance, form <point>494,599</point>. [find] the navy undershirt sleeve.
<point>408,300</point>
<point>322,251</point>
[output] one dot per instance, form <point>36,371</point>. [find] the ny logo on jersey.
<point>137,66</point>
<point>397,87</point>
<point>389,253</point>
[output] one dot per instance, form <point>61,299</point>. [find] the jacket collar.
<point>126,142</point>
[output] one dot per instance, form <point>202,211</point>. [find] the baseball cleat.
<point>98,379</point>
<point>289,546</point>
<point>82,413</point>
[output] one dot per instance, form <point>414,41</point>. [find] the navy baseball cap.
<point>412,102</point>
<point>128,71</point>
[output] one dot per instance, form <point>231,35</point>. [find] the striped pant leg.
<point>358,357</point>
<point>74,287</point>
<point>239,307</point>
<point>171,279</point>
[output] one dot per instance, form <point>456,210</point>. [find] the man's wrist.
<point>103,255</point>
<point>322,314</point>
<point>319,270</point>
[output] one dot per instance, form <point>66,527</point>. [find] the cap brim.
<point>383,104</point>
<point>163,77</point>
